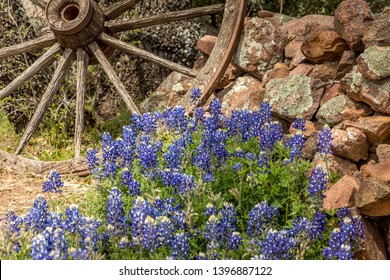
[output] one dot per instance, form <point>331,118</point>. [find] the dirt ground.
<point>17,192</point>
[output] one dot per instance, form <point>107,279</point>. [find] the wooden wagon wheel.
<point>81,30</point>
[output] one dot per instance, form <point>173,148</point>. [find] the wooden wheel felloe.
<point>81,31</point>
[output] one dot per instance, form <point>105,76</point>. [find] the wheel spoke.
<point>47,97</point>
<point>123,25</point>
<point>44,61</point>
<point>39,43</point>
<point>146,55</point>
<point>115,10</point>
<point>40,3</point>
<point>82,69</point>
<point>97,52</point>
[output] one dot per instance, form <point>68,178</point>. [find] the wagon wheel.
<point>81,30</point>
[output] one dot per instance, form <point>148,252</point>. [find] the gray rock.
<point>374,63</point>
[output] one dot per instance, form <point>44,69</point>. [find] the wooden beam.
<point>135,23</point>
<point>44,41</point>
<point>82,70</point>
<point>115,43</point>
<point>97,52</point>
<point>115,10</point>
<point>58,77</point>
<point>45,60</point>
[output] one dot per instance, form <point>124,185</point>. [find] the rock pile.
<point>332,71</point>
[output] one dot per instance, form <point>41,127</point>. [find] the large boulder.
<point>376,94</point>
<point>323,45</point>
<point>377,32</point>
<point>346,64</point>
<point>383,152</point>
<point>350,144</point>
<point>294,95</point>
<point>350,19</point>
<point>342,193</point>
<point>376,128</point>
<point>374,63</point>
<point>341,108</point>
<point>261,47</point>
<point>379,171</point>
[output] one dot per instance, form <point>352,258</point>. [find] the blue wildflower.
<point>261,217</point>
<point>325,140</point>
<point>234,241</point>
<point>195,95</point>
<point>115,212</point>
<point>37,218</point>
<point>128,181</point>
<point>277,246</point>
<point>53,183</point>
<point>317,186</point>
<point>180,246</point>
<point>92,159</point>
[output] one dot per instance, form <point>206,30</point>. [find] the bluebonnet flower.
<point>147,153</point>
<point>129,140</point>
<point>234,241</point>
<point>346,239</point>
<point>115,212</point>
<point>195,95</point>
<point>238,153</point>
<point>261,217</point>
<point>164,230</point>
<point>12,232</point>
<point>178,219</point>
<point>199,114</point>
<point>208,177</point>
<point>296,143</point>
<point>325,140</point>
<point>74,221</point>
<point>175,118</point>
<point>210,210</point>
<point>50,245</point>
<point>212,230</point>
<point>278,245</point>
<point>55,220</point>
<point>318,225</point>
<point>149,234</point>
<point>79,253</point>
<point>227,222</point>
<point>89,234</point>
<point>37,218</point>
<point>92,159</point>
<point>241,123</point>
<point>270,133</point>
<point>180,246</point>
<point>138,213</point>
<point>128,181</point>
<point>173,157</point>
<point>237,167</point>
<point>262,161</point>
<point>124,243</point>
<point>111,152</point>
<point>265,112</point>
<point>317,186</point>
<point>180,182</point>
<point>299,124</point>
<point>250,156</point>
<point>53,183</point>
<point>148,123</point>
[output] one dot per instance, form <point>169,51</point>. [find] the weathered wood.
<point>20,165</point>
<point>82,69</point>
<point>123,25</point>
<point>40,3</point>
<point>146,55</point>
<point>115,10</point>
<point>47,97</point>
<point>97,52</point>
<point>44,41</point>
<point>44,61</point>
<point>225,47</point>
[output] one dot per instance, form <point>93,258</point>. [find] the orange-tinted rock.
<point>377,32</point>
<point>309,129</point>
<point>376,128</point>
<point>341,108</point>
<point>275,73</point>
<point>335,164</point>
<point>379,171</point>
<point>231,74</point>
<point>350,144</point>
<point>376,94</point>
<point>350,19</point>
<point>302,69</point>
<point>330,92</point>
<point>383,152</point>
<point>373,198</point>
<point>206,44</point>
<point>342,194</point>
<point>346,64</point>
<point>244,93</point>
<point>325,71</point>
<point>323,45</point>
